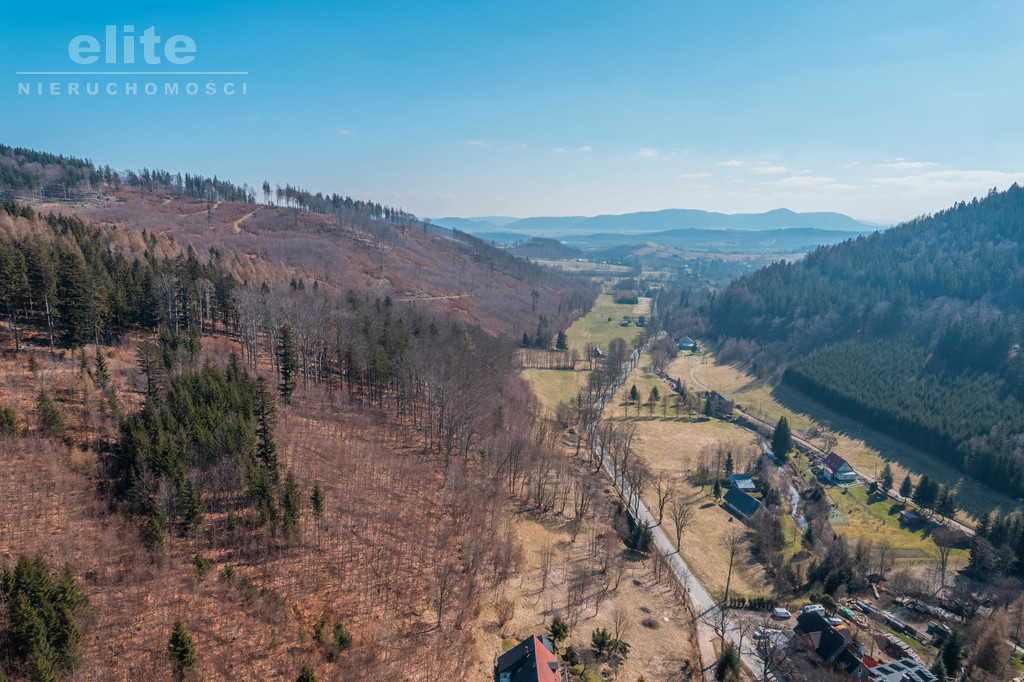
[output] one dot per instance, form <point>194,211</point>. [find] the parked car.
<point>781,613</point>
<point>833,621</point>
<point>815,608</point>
<point>761,633</point>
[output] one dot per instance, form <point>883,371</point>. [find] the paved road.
<point>704,607</point>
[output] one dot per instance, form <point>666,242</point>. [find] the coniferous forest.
<point>915,331</point>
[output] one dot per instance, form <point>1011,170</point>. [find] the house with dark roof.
<point>744,482</point>
<point>532,660</point>
<point>742,503</point>
<point>838,469</point>
<point>903,670</point>
<point>814,634</point>
<point>686,343</point>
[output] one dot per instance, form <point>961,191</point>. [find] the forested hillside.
<point>295,235</point>
<point>914,331</point>
<point>225,443</point>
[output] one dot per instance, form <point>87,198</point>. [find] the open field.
<point>877,518</point>
<point>672,447</point>
<point>595,327</point>
<point>865,449</point>
<point>553,386</point>
<point>573,265</point>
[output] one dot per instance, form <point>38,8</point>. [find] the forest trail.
<point>236,226</point>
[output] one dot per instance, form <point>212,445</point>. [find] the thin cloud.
<point>801,181</point>
<point>903,164</point>
<point>585,148</point>
<point>345,132</point>
<point>647,153</point>
<point>476,143</point>
<point>695,176</point>
<point>768,169</point>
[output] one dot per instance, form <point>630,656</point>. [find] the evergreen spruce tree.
<point>266,417</point>
<point>306,675</point>
<point>288,361</point>
<point>634,394</point>
<point>102,370</point>
<point>782,439</point>
<point>153,533</point>
<point>316,501</point>
<point>907,487</point>
<point>40,669</point>
<point>886,480</point>
<point>728,463</point>
<point>717,489</point>
<point>51,419</point>
<point>939,669</point>
<point>9,423</point>
<point>290,504</point>
<point>561,342</point>
<point>181,649</point>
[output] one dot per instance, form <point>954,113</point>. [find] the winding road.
<point>704,606</point>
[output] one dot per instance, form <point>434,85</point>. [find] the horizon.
<point>876,112</point>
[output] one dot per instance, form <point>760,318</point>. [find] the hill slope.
<point>922,312</point>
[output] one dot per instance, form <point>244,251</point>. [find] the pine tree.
<point>102,371</point>
<point>728,463</point>
<point>782,440</point>
<point>51,419</point>
<point>33,365</point>
<point>290,504</point>
<point>634,394</point>
<point>561,342</point>
<point>907,487</point>
<point>288,361</point>
<point>316,501</point>
<point>266,449</point>
<point>939,669</point>
<point>886,480</point>
<point>717,490</point>
<point>181,649</point>
<point>153,534</point>
<point>9,423</point>
<point>558,630</point>
<point>952,653</point>
<point>306,675</point>
<point>40,669</point>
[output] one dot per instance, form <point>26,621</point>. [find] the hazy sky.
<point>881,110</point>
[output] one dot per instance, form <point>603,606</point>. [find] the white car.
<point>833,621</point>
<point>814,608</point>
<point>781,613</point>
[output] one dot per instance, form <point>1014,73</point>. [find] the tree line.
<point>970,420</point>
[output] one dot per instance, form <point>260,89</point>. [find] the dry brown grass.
<point>657,654</point>
<point>866,449</point>
<point>369,564</point>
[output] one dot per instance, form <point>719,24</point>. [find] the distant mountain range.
<point>654,221</point>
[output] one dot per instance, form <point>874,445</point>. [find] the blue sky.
<point>877,109</point>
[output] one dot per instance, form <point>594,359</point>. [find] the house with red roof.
<point>532,660</point>
<point>838,469</point>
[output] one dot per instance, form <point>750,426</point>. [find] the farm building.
<point>909,518</point>
<point>838,469</point>
<point>686,343</point>
<point>532,660</point>
<point>744,482</point>
<point>742,503</point>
